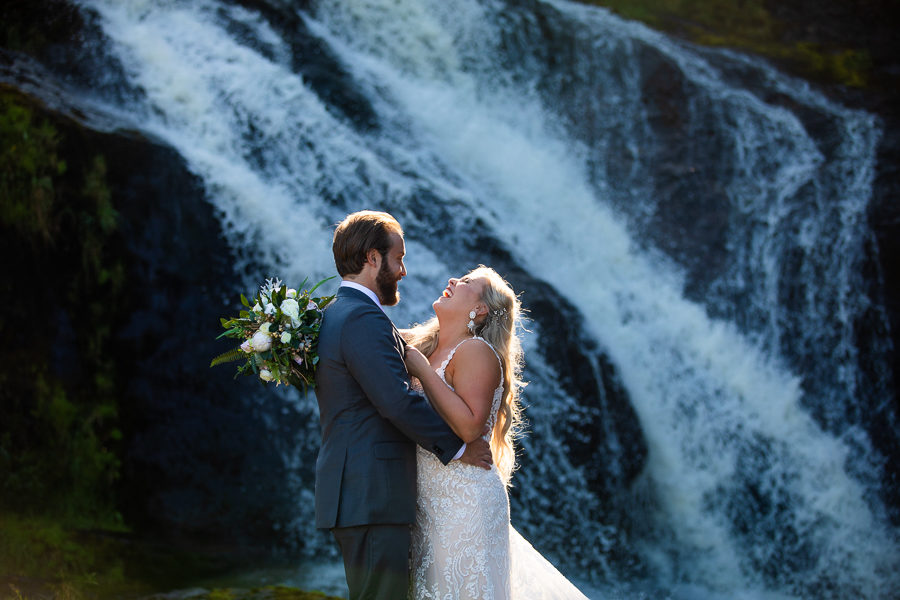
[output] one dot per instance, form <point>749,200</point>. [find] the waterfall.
<point>703,214</point>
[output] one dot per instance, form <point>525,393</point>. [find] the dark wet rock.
<point>68,42</point>
<point>198,457</point>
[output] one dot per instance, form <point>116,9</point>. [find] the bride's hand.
<point>416,363</point>
<point>478,453</point>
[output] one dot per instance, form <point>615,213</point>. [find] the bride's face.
<point>461,295</point>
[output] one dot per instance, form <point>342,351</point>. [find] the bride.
<point>468,359</point>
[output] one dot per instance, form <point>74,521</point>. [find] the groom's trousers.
<point>376,560</point>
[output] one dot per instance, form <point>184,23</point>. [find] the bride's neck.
<point>450,335</point>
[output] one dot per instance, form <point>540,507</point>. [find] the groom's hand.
<point>478,454</point>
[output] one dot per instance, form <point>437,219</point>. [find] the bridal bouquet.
<point>280,332</point>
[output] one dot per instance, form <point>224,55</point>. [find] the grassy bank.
<point>44,558</point>
<point>750,25</point>
<point>41,557</point>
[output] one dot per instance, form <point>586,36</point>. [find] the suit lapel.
<point>357,296</point>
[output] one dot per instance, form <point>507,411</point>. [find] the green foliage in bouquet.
<point>280,334</point>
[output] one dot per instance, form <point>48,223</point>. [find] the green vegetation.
<point>40,557</point>
<point>59,433</point>
<point>60,295</point>
<point>28,166</point>
<point>264,593</point>
<point>748,25</point>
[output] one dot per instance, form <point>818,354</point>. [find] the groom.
<point>371,420</point>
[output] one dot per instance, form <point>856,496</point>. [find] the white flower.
<point>266,375</point>
<point>265,327</point>
<point>286,337</point>
<point>256,308</point>
<point>291,293</point>
<point>312,306</point>
<point>270,309</point>
<point>291,309</point>
<point>261,341</point>
<point>271,286</point>
<point>298,359</point>
<point>247,347</point>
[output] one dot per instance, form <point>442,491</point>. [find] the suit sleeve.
<point>374,361</point>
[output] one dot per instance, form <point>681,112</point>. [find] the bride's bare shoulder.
<point>478,356</point>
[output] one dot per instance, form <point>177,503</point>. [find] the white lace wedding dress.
<point>463,546</point>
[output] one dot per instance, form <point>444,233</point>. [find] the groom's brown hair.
<point>358,233</point>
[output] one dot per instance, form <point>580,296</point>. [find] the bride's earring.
<point>471,323</point>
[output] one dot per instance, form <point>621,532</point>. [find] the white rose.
<point>256,308</point>
<point>247,347</point>
<point>266,375</point>
<point>270,309</point>
<point>261,341</point>
<point>291,293</point>
<point>265,327</point>
<point>286,337</point>
<point>291,309</point>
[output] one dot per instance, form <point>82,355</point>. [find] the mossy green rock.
<point>818,42</point>
<point>61,290</point>
<point>263,593</point>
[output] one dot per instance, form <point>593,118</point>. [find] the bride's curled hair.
<point>500,328</point>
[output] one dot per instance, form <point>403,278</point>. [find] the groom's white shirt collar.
<point>364,290</point>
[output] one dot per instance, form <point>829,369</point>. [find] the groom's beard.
<point>387,285</point>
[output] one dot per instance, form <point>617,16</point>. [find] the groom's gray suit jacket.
<point>371,419</point>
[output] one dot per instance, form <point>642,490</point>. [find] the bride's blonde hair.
<point>500,328</point>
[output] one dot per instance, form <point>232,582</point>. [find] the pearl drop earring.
<point>471,323</point>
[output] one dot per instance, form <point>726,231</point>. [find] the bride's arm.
<point>476,376</point>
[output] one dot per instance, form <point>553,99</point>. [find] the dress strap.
<point>492,350</point>
<point>450,356</point>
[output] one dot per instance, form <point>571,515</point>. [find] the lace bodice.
<point>498,393</point>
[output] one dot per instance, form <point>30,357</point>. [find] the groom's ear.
<point>372,257</point>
